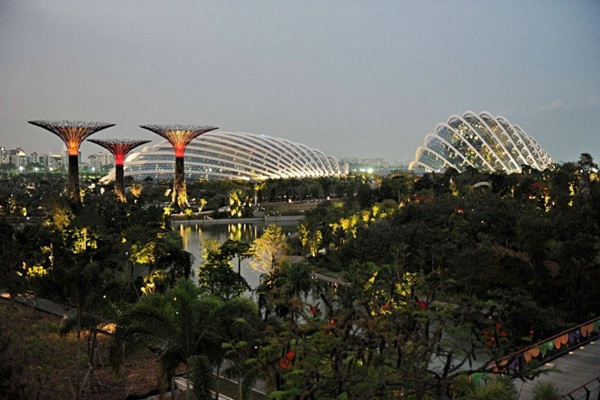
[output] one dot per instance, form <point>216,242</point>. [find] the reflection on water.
<point>194,234</point>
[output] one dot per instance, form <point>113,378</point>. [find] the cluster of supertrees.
<point>73,133</point>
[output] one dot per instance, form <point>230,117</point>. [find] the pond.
<point>194,234</point>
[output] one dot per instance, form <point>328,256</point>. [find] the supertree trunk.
<point>119,183</point>
<point>73,192</point>
<point>119,148</point>
<point>179,136</point>
<point>179,197</point>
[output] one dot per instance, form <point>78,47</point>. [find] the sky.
<point>353,78</point>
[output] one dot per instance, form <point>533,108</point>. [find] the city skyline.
<point>354,79</point>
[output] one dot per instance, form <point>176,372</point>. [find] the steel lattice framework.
<point>235,155</point>
<point>119,149</point>
<point>73,133</point>
<point>179,136</point>
<point>480,141</point>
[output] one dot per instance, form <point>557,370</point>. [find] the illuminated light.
<point>179,136</point>
<point>571,353</point>
<point>73,133</point>
<point>481,141</point>
<point>240,155</point>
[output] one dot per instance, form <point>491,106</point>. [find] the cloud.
<point>553,106</point>
<point>592,102</point>
<point>558,105</point>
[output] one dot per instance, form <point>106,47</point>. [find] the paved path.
<point>567,372</point>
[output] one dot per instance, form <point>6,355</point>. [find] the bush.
<point>545,391</point>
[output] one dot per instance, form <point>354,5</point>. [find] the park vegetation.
<point>402,286</point>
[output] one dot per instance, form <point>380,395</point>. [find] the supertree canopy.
<point>119,149</point>
<point>73,133</point>
<point>179,136</point>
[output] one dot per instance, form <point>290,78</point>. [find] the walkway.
<point>570,361</point>
<point>568,372</point>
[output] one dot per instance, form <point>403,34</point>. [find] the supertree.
<point>119,149</point>
<point>179,136</point>
<point>73,133</point>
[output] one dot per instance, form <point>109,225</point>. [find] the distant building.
<point>18,158</point>
<point>56,162</point>
<point>44,161</point>
<point>3,156</point>
<point>483,142</point>
<point>101,161</point>
<point>372,165</point>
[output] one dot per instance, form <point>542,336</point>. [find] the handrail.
<point>584,386</point>
<point>554,346</point>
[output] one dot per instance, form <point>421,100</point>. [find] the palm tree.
<point>284,290</point>
<point>241,336</point>
<point>182,326</point>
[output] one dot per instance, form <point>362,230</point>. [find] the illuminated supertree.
<point>179,136</point>
<point>119,149</point>
<point>73,133</point>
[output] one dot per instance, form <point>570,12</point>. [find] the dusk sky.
<point>351,78</point>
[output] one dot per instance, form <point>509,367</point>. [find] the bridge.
<point>570,361</point>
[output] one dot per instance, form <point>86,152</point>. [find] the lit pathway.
<point>570,372</point>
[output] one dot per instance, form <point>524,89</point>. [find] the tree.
<point>236,248</point>
<point>216,275</point>
<point>270,250</point>
<point>242,334</point>
<point>310,240</point>
<point>180,324</point>
<point>282,291</point>
<point>376,337</point>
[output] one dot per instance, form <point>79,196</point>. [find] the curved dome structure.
<point>482,141</point>
<point>233,155</point>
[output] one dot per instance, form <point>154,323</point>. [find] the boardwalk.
<point>568,372</point>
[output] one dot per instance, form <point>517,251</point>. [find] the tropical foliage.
<point>407,286</point>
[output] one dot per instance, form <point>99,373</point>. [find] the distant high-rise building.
<point>18,158</point>
<point>3,156</point>
<point>100,160</point>
<point>38,160</point>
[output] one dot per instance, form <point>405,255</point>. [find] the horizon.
<point>352,79</point>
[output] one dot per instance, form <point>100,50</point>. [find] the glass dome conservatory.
<point>233,155</point>
<point>482,141</point>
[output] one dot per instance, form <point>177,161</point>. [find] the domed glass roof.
<point>481,141</point>
<point>233,155</point>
